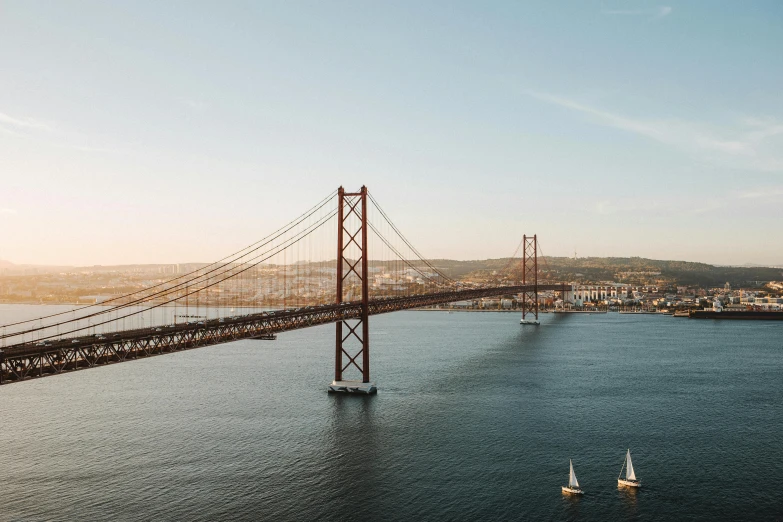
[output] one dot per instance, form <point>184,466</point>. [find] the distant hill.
<point>755,265</point>
<point>632,270</point>
<point>680,272</point>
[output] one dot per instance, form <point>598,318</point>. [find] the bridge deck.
<point>25,361</point>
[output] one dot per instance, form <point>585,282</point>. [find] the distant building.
<point>600,292</point>
<point>770,303</point>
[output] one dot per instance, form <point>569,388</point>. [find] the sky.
<point>176,131</point>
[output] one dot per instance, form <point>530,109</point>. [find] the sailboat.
<point>573,484</point>
<point>630,477</point>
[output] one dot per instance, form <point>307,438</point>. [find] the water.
<point>476,418</point>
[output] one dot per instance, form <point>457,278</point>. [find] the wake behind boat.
<point>630,476</point>
<point>573,484</point>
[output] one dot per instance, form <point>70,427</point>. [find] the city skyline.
<point>608,128</point>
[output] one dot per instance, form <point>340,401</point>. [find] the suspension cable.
<point>277,249</point>
<point>288,227</point>
<point>415,251</point>
<point>402,258</point>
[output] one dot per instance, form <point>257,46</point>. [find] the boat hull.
<point>529,321</point>
<point>572,491</point>
<point>630,483</point>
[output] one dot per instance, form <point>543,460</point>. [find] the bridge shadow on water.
<point>352,446</point>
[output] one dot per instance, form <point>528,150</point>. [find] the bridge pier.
<point>353,253</point>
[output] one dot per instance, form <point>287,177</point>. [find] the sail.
<point>629,474</point>
<point>572,482</point>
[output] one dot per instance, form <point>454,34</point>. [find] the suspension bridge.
<point>288,280</point>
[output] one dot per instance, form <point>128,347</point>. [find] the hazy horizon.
<point>151,132</point>
<point>371,260</point>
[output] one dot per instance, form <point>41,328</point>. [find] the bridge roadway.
<point>24,361</point>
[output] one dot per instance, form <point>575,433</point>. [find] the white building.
<point>598,292</point>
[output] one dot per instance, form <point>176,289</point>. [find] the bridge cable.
<point>402,258</point>
<point>169,290</point>
<point>306,214</point>
<point>280,248</point>
<point>117,318</point>
<point>405,240</point>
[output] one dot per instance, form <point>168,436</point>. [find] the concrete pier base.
<point>366,388</point>
<point>529,321</point>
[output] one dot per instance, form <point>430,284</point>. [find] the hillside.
<point>633,270</point>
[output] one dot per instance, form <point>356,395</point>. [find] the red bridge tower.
<point>352,275</point>
<point>530,277</point>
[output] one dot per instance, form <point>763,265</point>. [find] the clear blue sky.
<point>162,131</point>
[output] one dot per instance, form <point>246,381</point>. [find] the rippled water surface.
<point>476,418</point>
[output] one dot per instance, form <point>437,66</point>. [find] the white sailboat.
<point>573,484</point>
<point>630,476</point>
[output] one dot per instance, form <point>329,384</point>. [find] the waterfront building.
<point>769,303</point>
<point>599,292</point>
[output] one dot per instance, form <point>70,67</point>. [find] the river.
<point>476,418</point>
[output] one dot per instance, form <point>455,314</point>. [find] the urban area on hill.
<point>596,283</point>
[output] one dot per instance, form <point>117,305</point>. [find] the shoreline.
<point>467,310</point>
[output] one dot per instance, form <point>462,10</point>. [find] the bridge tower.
<point>352,257</point>
<point>530,277</point>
